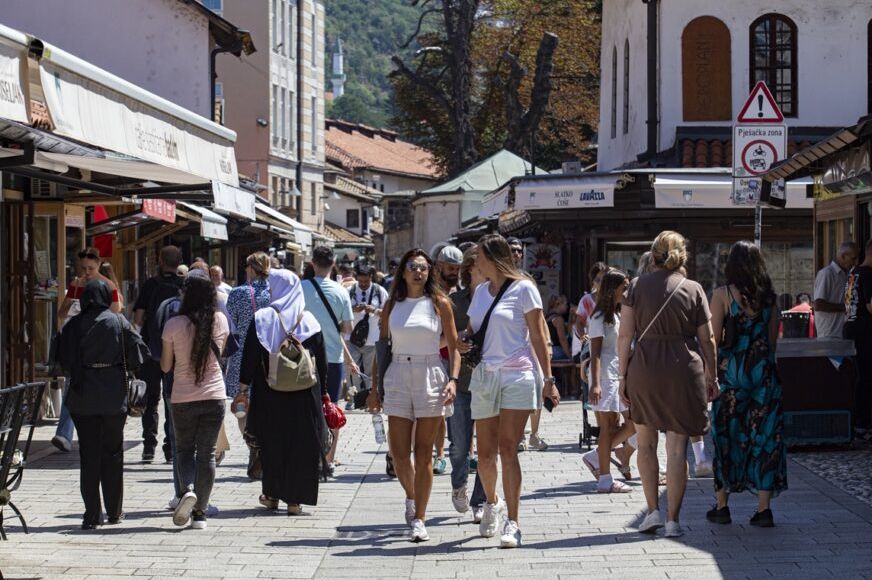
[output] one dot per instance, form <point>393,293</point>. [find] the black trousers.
<point>863,399</point>
<point>150,373</point>
<point>101,458</point>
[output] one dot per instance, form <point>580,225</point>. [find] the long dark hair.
<point>400,290</point>
<point>746,270</point>
<point>605,297</point>
<point>497,250</point>
<point>198,304</point>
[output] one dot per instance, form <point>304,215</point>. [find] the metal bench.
<point>19,410</point>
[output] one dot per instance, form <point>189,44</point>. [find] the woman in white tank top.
<point>417,389</point>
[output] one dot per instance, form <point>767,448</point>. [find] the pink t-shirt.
<point>180,332</point>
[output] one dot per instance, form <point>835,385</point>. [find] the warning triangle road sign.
<point>760,107</point>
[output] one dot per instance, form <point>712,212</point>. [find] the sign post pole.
<point>758,225</point>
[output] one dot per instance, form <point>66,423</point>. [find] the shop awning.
<point>564,192</point>
<point>212,225</point>
<point>714,191</point>
<point>14,97</point>
<point>302,233</point>
<point>495,203</point>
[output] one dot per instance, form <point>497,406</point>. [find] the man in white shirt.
<point>367,301</point>
<point>829,292</point>
<point>217,275</point>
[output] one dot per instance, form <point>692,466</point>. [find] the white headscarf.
<point>287,304</point>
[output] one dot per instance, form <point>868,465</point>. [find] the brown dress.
<point>666,376</point>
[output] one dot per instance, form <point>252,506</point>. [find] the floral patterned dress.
<point>747,417</point>
<point>242,303</point>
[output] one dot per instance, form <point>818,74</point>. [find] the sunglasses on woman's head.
<point>89,255</point>
<point>415,267</point>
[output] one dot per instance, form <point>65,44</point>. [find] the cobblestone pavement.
<point>357,530</point>
<point>849,469</point>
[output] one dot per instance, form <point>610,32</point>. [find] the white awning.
<point>700,191</point>
<point>234,200</point>
<point>212,225</point>
<point>302,232</point>
<point>495,203</point>
<point>93,106</point>
<point>565,193</point>
<point>125,167</point>
<point>13,86</point>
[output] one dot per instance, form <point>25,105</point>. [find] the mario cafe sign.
<point>565,193</point>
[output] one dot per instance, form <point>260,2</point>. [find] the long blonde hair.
<point>497,250</point>
<point>669,250</point>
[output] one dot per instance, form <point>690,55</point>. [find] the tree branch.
<point>432,90</point>
<point>415,34</point>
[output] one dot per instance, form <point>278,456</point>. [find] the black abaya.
<point>287,426</point>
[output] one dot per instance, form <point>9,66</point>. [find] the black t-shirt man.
<point>858,296</point>
<point>155,290</point>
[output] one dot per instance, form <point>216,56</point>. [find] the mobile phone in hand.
<point>548,404</point>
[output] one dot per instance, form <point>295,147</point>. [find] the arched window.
<point>614,120</point>
<point>706,70</point>
<point>625,120</point>
<point>773,59</point>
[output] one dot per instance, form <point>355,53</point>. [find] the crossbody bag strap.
<point>326,305</point>
<point>662,308</point>
<point>486,320</point>
<point>123,349</point>
<point>282,324</point>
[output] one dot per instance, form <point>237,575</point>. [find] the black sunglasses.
<point>90,255</point>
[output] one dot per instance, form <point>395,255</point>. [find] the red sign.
<point>760,107</point>
<point>161,209</point>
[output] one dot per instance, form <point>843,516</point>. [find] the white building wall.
<point>159,45</point>
<point>337,214</point>
<point>435,221</point>
<point>832,64</point>
<point>393,183</point>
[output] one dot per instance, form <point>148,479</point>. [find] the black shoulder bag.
<point>361,330</point>
<point>473,358</point>
<point>327,306</point>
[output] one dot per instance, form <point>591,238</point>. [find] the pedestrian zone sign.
<point>759,142</point>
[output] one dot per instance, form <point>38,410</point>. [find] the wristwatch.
<point>455,379</point>
<point>550,381</point>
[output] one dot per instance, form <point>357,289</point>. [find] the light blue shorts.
<point>493,390</point>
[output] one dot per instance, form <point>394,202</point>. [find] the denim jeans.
<point>460,434</point>
<point>168,428</point>
<point>150,373</point>
<point>65,421</point>
<point>196,425</point>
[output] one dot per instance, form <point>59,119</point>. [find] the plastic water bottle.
<point>239,409</point>
<point>378,425</point>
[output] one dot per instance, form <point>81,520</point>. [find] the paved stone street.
<point>357,530</point>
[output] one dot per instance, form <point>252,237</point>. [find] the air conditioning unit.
<point>817,427</point>
<point>572,168</point>
<point>376,212</point>
<point>42,189</point>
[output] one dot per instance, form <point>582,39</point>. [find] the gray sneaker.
<point>511,536</point>
<point>182,513</point>
<point>491,518</point>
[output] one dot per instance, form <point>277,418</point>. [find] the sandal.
<point>616,487</point>
<point>295,509</point>
<point>268,502</point>
<point>594,470</point>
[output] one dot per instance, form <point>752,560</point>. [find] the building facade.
<point>274,100</point>
<point>710,54</point>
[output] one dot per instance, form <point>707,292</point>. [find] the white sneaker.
<point>673,530</point>
<point>651,523</point>
<point>490,518</point>
<point>419,532</point>
<point>477,513</point>
<point>182,514</point>
<point>703,469</point>
<point>511,536</point>
<point>410,511</point>
<point>537,443</point>
<point>173,503</point>
<point>460,500</point>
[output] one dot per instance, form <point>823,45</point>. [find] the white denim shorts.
<point>496,389</point>
<point>413,387</point>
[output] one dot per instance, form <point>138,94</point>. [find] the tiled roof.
<point>39,116</point>
<point>342,236</point>
<point>351,188</point>
<point>376,227</point>
<point>700,153</point>
<point>360,147</point>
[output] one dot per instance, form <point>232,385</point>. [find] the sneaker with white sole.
<point>491,518</point>
<point>419,532</point>
<point>673,530</point>
<point>198,521</point>
<point>460,500</point>
<point>477,513</point>
<point>651,523</point>
<point>410,511</point>
<point>511,536</point>
<point>703,469</point>
<point>182,513</point>
<point>537,443</point>
<point>439,466</point>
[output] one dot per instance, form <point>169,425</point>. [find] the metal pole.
<point>758,225</point>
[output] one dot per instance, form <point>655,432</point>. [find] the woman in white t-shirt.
<point>507,385</point>
<point>605,378</point>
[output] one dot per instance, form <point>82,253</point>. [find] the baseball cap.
<point>450,255</point>
<point>513,241</point>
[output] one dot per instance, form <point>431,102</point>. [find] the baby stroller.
<point>589,434</point>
